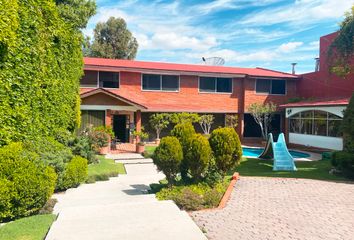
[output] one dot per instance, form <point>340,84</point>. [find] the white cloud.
<point>289,47</point>
<point>301,12</point>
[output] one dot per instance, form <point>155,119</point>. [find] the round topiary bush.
<point>74,174</point>
<point>168,157</point>
<point>25,182</point>
<point>198,156</point>
<point>226,147</point>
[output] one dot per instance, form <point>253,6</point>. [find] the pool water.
<point>255,152</point>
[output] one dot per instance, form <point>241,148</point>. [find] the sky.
<point>246,33</point>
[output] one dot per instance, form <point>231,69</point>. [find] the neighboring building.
<point>124,93</point>
<point>315,120</point>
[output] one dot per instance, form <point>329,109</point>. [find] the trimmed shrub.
<point>74,174</point>
<point>226,147</point>
<point>82,146</point>
<point>212,176</point>
<point>194,197</point>
<point>198,156</point>
<point>25,183</point>
<point>184,133</point>
<point>50,152</point>
<point>168,156</point>
<point>344,161</point>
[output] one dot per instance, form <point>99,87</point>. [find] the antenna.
<point>213,61</point>
<point>293,69</point>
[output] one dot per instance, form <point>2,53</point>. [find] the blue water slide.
<point>278,151</point>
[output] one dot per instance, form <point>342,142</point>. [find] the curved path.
<point>280,208</point>
<point>120,209</point>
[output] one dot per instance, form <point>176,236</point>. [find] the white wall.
<point>316,141</point>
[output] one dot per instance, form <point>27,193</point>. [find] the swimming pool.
<point>255,152</point>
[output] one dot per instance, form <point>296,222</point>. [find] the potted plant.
<point>140,146</point>
<point>101,141</point>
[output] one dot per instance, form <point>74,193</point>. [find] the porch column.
<point>108,118</point>
<point>240,125</point>
<point>138,123</point>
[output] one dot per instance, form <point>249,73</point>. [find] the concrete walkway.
<point>119,209</point>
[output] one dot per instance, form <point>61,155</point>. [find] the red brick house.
<point>124,93</point>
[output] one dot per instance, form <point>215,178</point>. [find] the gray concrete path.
<point>278,209</point>
<point>119,209</point>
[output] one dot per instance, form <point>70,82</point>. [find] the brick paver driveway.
<point>273,208</point>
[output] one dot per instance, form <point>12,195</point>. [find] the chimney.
<point>317,68</point>
<point>293,68</point>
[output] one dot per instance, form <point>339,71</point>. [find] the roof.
<point>85,94</point>
<point>192,68</point>
<point>168,105</point>
<point>318,102</point>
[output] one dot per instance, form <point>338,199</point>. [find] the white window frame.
<point>160,90</point>
<point>271,85</point>
<point>215,92</point>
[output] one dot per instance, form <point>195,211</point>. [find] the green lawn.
<point>103,170</point>
<point>311,170</point>
<point>149,150</point>
<point>29,228</point>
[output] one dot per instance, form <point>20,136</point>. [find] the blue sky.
<point>246,33</point>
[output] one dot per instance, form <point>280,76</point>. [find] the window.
<point>268,86</point>
<point>157,82</point>
<point>109,79</point>
<point>89,79</point>
<point>315,122</point>
<point>213,84</point>
<point>95,118</point>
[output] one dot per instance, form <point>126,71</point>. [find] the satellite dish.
<point>213,61</point>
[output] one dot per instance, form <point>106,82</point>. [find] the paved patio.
<point>120,209</point>
<point>274,208</point>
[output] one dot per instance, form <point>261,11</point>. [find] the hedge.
<point>40,67</point>
<point>25,183</point>
<point>74,174</point>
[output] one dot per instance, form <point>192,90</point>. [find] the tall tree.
<point>341,52</point>
<point>112,39</point>
<point>40,67</point>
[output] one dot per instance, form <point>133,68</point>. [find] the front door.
<point>120,127</point>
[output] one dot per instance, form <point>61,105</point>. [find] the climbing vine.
<point>40,67</point>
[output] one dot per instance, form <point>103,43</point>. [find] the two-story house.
<point>123,93</point>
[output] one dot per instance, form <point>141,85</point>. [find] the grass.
<point>318,170</point>
<point>29,228</point>
<point>103,170</point>
<point>149,150</point>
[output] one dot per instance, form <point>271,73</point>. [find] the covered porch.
<point>100,107</point>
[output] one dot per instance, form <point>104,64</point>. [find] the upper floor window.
<point>213,84</point>
<point>101,79</point>
<point>109,79</point>
<point>157,82</point>
<point>89,79</point>
<point>268,86</point>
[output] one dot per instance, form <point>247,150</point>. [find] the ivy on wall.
<point>40,67</point>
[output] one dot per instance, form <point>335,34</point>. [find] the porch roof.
<point>318,102</point>
<point>92,92</point>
